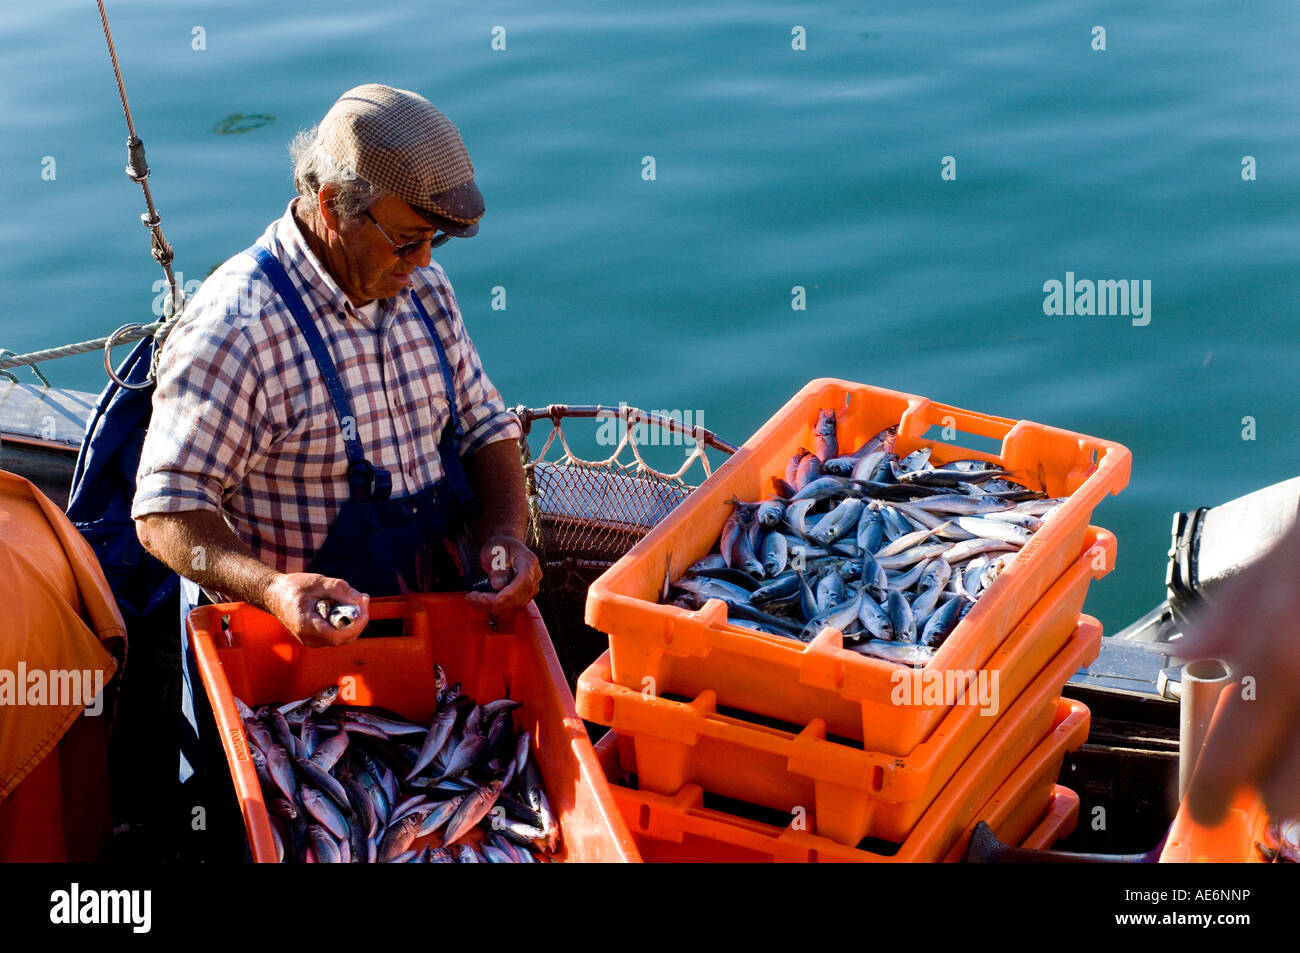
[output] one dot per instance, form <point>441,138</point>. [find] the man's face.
<point>370,269</point>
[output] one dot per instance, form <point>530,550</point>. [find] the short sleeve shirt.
<point>242,422</point>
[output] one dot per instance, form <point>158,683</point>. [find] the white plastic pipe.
<point>1202,682</point>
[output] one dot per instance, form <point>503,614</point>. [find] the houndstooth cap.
<point>398,141</point>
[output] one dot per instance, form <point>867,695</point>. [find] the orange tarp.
<point>61,635</point>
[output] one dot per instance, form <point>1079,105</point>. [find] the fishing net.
<point>586,513</point>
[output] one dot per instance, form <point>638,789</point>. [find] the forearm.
<point>496,474</point>
<point>200,546</point>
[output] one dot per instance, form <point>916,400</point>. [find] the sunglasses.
<point>407,249</point>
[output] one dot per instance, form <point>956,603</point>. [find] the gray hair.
<point>312,168</point>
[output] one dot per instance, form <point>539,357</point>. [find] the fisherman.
<point>322,427</point>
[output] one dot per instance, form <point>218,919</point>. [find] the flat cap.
<point>398,141</point>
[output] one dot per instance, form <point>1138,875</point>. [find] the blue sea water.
<point>775,167</point>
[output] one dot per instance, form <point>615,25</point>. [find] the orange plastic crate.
<point>1231,841</point>
<point>1058,823</point>
<point>782,678</point>
<point>1036,815</point>
<point>1021,657</point>
<point>678,828</point>
<point>261,663</point>
<point>853,793</point>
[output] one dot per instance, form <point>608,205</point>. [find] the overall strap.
<point>449,451</point>
<point>363,478</point>
<point>443,364</point>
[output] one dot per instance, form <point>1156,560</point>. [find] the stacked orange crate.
<point>695,697</point>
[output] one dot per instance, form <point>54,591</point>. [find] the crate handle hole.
<point>941,433</point>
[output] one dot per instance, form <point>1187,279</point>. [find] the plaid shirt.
<point>242,422</point>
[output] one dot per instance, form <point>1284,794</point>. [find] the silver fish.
<point>961,504</point>
<point>914,461</point>
<point>440,815</point>
<point>769,513</point>
<point>908,579</point>
<point>389,726</point>
<point>904,653</point>
<point>913,555</point>
<point>776,552</point>
<point>995,529</point>
<point>736,548</point>
<point>829,591</point>
<point>409,806</point>
<point>838,522</point>
<point>434,740</point>
<point>825,440</point>
<point>711,561</point>
<point>900,614</point>
<point>325,811</point>
<point>873,576</point>
<point>473,809</point>
<point>310,737</point>
<point>1031,523</point>
<point>522,745</point>
<point>866,468</point>
<point>975,547</point>
<point>924,604</point>
<point>903,543</point>
<point>399,837</point>
<point>871,529</point>
<point>875,619</point>
<point>329,751</point>
<point>942,622</point>
<point>466,754</point>
<point>325,847</point>
<point>808,470</point>
<point>937,573</point>
<point>821,489</point>
<point>363,810</point>
<point>314,774</point>
<point>705,589</point>
<point>280,767</point>
<point>338,614</point>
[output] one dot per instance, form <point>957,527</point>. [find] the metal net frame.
<point>584,515</point>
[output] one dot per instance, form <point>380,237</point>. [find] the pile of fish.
<point>348,784</point>
<point>893,552</point>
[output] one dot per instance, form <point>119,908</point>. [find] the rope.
<point>82,347</point>
<point>137,169</point>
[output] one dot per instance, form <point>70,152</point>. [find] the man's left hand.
<point>513,571</point>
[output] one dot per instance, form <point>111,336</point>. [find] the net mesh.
<point>585,514</point>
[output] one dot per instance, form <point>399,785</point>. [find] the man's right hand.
<point>228,566</point>
<point>291,597</point>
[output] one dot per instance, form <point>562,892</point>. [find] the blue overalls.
<point>379,545</point>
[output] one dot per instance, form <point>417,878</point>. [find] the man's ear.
<point>325,206</point>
